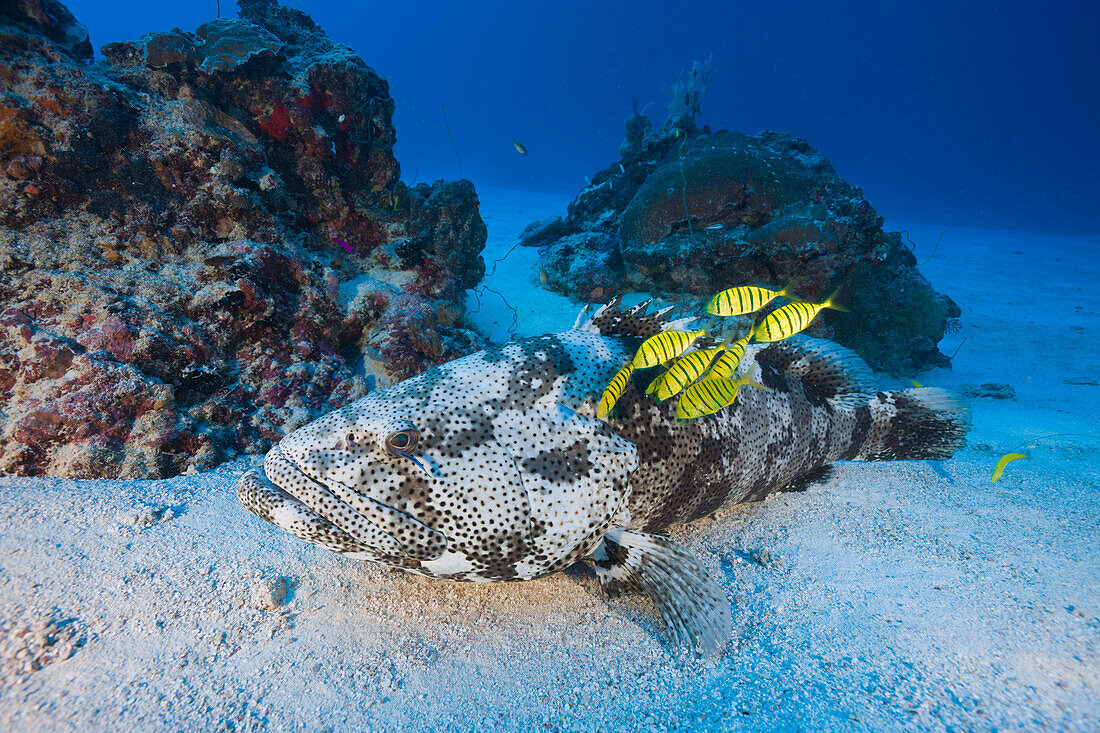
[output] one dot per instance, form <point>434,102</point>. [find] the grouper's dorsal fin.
<point>614,320</point>
<point>838,374</point>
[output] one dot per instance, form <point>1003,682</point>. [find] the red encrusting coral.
<point>169,293</point>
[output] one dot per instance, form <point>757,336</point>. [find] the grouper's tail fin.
<point>692,605</point>
<point>911,424</point>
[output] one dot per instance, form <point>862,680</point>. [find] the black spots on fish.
<point>560,464</point>
<point>859,433</point>
<point>772,378</point>
<point>813,477</point>
<point>831,369</point>
<point>539,364</point>
<point>703,486</point>
<point>271,503</point>
<point>464,428</point>
<point>815,398</point>
<point>613,320</point>
<point>613,555</point>
<point>923,424</point>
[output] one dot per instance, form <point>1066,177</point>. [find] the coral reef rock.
<point>689,214</point>
<point>205,243</point>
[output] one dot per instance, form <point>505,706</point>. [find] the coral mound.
<point>175,220</point>
<point>691,213</point>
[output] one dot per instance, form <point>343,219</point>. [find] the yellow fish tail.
<point>829,302</point>
<point>788,290</point>
<point>614,390</point>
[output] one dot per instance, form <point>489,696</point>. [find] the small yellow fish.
<point>1000,467</point>
<point>726,364</point>
<point>711,395</point>
<point>745,299</point>
<point>519,147</point>
<point>664,347</point>
<point>916,383</point>
<point>790,319</point>
<point>614,390</point>
<point>686,370</point>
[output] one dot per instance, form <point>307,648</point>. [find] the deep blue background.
<point>944,112</point>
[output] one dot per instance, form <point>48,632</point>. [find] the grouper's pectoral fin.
<point>693,606</point>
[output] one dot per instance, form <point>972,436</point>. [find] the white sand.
<point>909,595</point>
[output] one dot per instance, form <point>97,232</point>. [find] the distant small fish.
<point>790,319</point>
<point>713,227</point>
<point>519,147</point>
<point>916,383</point>
<point>345,245</point>
<point>614,390</point>
<point>745,299</point>
<point>664,347</point>
<point>1005,460</point>
<point>544,277</point>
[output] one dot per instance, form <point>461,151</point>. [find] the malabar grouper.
<point>493,467</point>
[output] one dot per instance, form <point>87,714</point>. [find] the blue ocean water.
<point>902,595</point>
<point>979,114</point>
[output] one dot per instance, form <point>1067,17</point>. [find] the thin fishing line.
<point>409,100</point>
<point>452,137</point>
<point>945,231</point>
<point>684,195</point>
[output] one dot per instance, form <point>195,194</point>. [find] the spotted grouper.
<point>493,467</point>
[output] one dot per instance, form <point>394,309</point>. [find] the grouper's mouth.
<point>380,528</point>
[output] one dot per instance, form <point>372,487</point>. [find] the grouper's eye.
<point>402,440</point>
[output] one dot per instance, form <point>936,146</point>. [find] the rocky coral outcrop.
<point>687,212</point>
<point>178,226</point>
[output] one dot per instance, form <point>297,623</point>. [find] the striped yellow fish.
<point>614,391</point>
<point>664,347</point>
<point>686,370</point>
<point>726,364</point>
<point>745,299</point>
<point>711,395</point>
<point>790,319</point>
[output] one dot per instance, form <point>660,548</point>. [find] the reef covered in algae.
<point>179,223</point>
<point>686,212</point>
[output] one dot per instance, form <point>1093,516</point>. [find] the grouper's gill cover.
<point>512,477</point>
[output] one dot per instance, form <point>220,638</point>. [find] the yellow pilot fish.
<point>711,395</point>
<point>664,347</point>
<point>614,390</point>
<point>745,299</point>
<point>686,370</point>
<point>790,319</point>
<point>520,148</point>
<point>725,366</point>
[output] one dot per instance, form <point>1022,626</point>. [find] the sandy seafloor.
<point>898,596</point>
